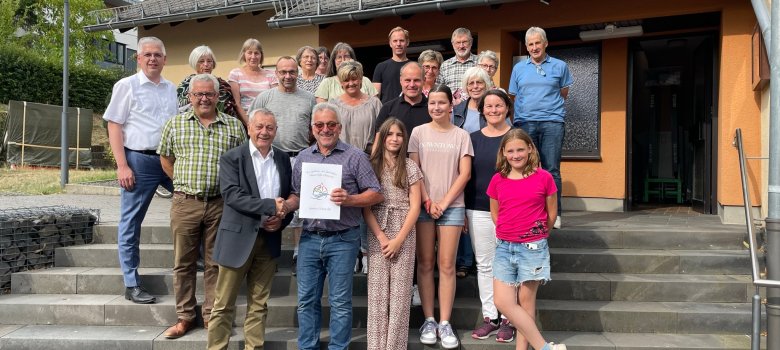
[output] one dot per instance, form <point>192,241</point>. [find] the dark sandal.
<point>462,272</point>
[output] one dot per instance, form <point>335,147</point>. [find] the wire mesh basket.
<point>29,236</point>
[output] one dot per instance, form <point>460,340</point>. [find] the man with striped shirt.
<point>189,153</point>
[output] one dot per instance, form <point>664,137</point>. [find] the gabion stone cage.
<point>28,236</point>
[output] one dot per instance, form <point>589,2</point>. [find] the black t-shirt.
<point>411,115</point>
<point>483,167</point>
<point>388,73</point>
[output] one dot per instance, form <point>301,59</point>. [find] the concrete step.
<point>553,315</point>
<point>631,260</point>
<point>562,259</point>
<point>564,286</point>
<point>597,237</point>
<point>41,337</point>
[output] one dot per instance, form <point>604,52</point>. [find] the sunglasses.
<point>330,125</point>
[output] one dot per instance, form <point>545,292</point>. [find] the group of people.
<point>431,152</point>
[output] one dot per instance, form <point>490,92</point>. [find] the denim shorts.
<point>516,263</point>
<point>450,217</point>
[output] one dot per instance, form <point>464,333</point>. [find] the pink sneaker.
<point>485,330</point>
<point>506,332</point>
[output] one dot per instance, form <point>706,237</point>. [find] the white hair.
<point>152,41</point>
<point>205,77</point>
<point>199,52</point>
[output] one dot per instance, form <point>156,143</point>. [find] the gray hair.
<point>413,63</point>
<point>258,111</point>
<point>199,52</point>
<point>479,73</point>
<point>326,106</point>
<point>430,55</point>
<point>205,77</point>
<point>533,31</point>
<point>461,31</point>
<point>302,50</point>
<point>151,40</point>
<point>489,55</point>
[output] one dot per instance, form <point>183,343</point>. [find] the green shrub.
<point>27,77</point>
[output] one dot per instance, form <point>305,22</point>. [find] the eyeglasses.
<point>488,67</point>
<point>539,70</point>
<point>149,55</point>
<point>330,125</point>
<point>428,67</point>
<point>200,95</point>
<point>287,72</point>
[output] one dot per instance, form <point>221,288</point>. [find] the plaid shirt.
<point>197,150</point>
<point>451,73</point>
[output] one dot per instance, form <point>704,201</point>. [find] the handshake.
<point>283,208</point>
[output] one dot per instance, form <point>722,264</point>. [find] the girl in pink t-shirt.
<point>523,205</point>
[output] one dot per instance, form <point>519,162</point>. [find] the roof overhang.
<point>292,13</point>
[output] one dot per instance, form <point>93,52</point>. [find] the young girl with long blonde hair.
<point>523,205</point>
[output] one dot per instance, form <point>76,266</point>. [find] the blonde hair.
<point>251,43</point>
<point>349,70</point>
<point>398,29</point>
<point>502,165</point>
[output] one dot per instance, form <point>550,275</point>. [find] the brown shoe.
<point>179,329</point>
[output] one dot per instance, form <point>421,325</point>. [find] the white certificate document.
<point>317,181</point>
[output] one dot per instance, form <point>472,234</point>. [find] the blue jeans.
<point>319,256</point>
<point>548,138</point>
<point>133,205</point>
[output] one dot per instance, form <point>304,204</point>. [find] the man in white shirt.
<point>140,105</point>
<point>254,178</point>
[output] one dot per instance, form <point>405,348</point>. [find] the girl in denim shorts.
<point>523,205</point>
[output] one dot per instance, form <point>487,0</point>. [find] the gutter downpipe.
<point>773,195</point>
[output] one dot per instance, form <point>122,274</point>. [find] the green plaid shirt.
<point>197,150</point>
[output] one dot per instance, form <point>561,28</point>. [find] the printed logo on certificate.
<point>317,182</point>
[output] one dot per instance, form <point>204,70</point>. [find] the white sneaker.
<point>448,338</point>
<point>428,332</point>
<point>364,261</point>
<point>557,223</point>
<point>554,346</point>
<point>416,296</point>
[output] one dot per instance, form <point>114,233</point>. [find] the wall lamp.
<point>611,31</point>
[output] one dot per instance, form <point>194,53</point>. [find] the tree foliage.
<point>37,25</point>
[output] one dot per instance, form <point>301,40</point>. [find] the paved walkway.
<point>158,214</point>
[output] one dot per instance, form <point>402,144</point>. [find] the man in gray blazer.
<point>254,179</point>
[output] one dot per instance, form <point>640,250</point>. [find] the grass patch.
<point>36,181</point>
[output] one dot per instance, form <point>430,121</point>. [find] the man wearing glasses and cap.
<point>540,85</point>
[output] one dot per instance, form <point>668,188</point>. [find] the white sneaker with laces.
<point>416,296</point>
<point>428,332</point>
<point>557,223</point>
<point>448,338</point>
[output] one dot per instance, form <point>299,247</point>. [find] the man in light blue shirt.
<point>540,85</point>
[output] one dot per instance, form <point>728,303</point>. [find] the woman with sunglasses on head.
<point>330,87</point>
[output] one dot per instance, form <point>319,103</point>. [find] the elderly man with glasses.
<point>540,85</point>
<point>190,147</point>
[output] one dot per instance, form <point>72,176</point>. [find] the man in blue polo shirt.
<point>540,85</point>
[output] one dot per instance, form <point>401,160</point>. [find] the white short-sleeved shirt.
<point>142,108</point>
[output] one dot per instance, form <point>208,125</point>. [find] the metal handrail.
<point>758,282</point>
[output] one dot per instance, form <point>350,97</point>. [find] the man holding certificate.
<point>333,181</point>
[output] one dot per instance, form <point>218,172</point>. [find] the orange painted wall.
<point>738,106</point>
